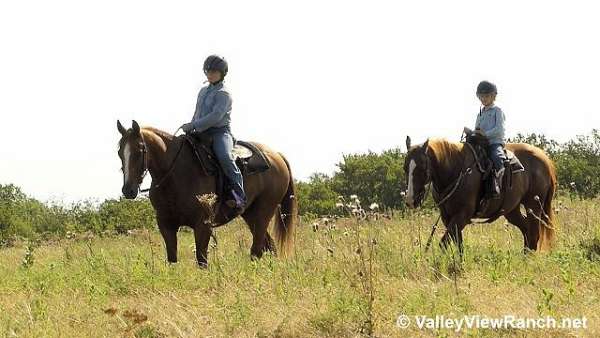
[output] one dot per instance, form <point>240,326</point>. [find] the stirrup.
<point>237,202</point>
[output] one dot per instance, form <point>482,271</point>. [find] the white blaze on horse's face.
<point>410,196</point>
<point>126,160</point>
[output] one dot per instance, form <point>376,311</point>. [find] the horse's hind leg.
<point>515,217</point>
<point>269,243</point>
<point>535,220</point>
<point>258,218</point>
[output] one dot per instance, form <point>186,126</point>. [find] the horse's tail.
<point>547,228</point>
<point>287,215</point>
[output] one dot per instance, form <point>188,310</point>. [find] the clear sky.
<point>312,79</point>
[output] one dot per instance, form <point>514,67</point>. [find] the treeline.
<point>379,177</point>
<point>22,216</point>
<point>373,177</point>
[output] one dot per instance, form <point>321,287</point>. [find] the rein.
<point>457,183</point>
<point>165,176</point>
<point>447,193</point>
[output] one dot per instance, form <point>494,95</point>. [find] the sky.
<point>312,79</point>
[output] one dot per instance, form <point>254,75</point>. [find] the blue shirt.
<point>491,121</point>
<point>213,108</point>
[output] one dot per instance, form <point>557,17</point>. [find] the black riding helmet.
<point>215,62</point>
<point>486,87</point>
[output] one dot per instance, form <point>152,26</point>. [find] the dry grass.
<point>122,287</point>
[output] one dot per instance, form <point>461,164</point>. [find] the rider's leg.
<point>222,146</point>
<point>496,152</point>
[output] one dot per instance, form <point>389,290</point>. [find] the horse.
<point>180,185</point>
<point>450,167</point>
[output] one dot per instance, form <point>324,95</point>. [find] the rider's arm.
<point>478,122</point>
<point>221,107</point>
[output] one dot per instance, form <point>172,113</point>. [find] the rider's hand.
<point>467,131</point>
<point>187,127</point>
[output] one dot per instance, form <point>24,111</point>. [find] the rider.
<point>213,117</point>
<point>490,123</point>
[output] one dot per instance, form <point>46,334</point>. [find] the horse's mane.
<point>447,154</point>
<point>161,133</point>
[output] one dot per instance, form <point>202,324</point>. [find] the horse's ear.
<point>135,126</point>
<point>407,142</point>
<point>426,146</point>
<point>121,129</point>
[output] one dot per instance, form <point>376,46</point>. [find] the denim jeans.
<point>496,153</point>
<point>222,146</point>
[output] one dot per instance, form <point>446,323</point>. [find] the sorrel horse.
<point>179,184</point>
<point>450,168</point>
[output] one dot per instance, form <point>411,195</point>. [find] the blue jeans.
<point>222,146</point>
<point>496,153</point>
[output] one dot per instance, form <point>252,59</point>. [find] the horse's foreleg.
<point>453,232</point>
<point>202,236</point>
<point>170,237</point>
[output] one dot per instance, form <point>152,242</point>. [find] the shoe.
<point>237,202</point>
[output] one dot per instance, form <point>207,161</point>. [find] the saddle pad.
<point>257,162</point>
<point>515,165</point>
<point>239,151</point>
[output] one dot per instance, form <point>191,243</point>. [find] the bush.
<point>21,216</point>
<point>317,196</point>
<point>375,178</point>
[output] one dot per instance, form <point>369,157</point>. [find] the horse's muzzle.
<point>130,192</point>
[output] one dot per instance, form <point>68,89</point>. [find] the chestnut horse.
<point>451,169</point>
<point>179,183</point>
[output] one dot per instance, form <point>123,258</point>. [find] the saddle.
<point>479,147</point>
<point>249,159</point>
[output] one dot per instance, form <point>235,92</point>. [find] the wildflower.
<point>374,206</point>
<point>339,205</point>
<point>572,184</point>
<point>402,193</point>
<point>353,197</point>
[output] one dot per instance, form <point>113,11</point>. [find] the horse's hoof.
<point>203,265</point>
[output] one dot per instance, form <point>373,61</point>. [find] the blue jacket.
<point>213,108</point>
<point>491,122</point>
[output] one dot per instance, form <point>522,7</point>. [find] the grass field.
<point>338,283</point>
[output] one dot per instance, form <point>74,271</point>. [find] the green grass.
<point>336,284</point>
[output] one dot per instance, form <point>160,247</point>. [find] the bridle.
<point>450,190</point>
<point>145,168</point>
<point>428,180</point>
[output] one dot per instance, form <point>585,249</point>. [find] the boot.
<point>237,202</point>
<point>498,178</point>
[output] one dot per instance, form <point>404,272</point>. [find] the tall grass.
<point>351,279</point>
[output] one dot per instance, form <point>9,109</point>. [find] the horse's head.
<point>132,151</point>
<point>416,167</point>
